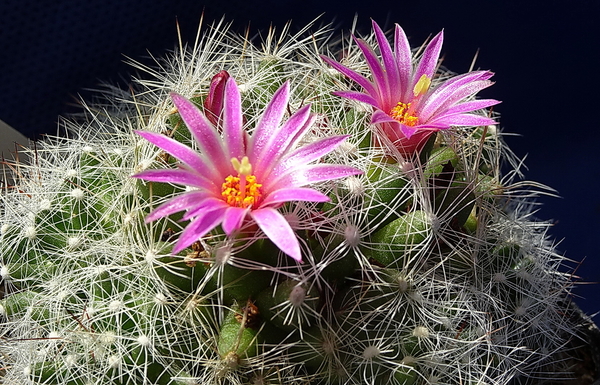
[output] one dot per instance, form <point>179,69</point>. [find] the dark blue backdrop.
<point>544,55</point>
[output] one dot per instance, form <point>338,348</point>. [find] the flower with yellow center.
<point>239,179</point>
<point>407,109</point>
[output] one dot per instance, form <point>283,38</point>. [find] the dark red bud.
<point>213,104</point>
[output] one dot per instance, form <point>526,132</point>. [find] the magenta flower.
<point>406,107</point>
<point>239,177</point>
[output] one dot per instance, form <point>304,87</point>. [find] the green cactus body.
<point>427,269</point>
<point>395,244</point>
<point>237,341</point>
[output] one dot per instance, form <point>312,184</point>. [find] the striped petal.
<point>469,106</point>
<point>209,204</point>
<point>233,219</point>
<point>309,153</point>
<point>464,120</point>
<point>179,203</point>
<point>454,90</point>
<point>305,175</point>
<point>389,61</point>
<point>383,89</point>
<point>358,78</point>
<point>359,96</point>
<point>197,229</point>
<point>232,121</point>
<point>174,148</point>
<point>279,141</point>
<point>177,176</point>
<point>403,62</point>
<point>381,117</point>
<point>278,230</point>
<point>269,123</point>
<point>294,194</point>
<point>207,138</point>
<point>428,62</point>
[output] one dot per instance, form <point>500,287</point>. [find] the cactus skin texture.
<point>426,269</point>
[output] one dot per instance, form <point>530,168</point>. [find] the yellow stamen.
<point>422,86</point>
<point>403,113</point>
<point>242,190</point>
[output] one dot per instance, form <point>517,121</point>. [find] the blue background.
<point>544,54</point>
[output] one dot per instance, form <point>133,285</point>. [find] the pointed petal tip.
<point>278,230</point>
<point>230,83</point>
<point>174,95</point>
<point>294,253</point>
<point>178,247</point>
<point>437,40</point>
<point>297,258</point>
<point>144,134</point>
<point>326,59</point>
<point>178,100</point>
<point>376,26</point>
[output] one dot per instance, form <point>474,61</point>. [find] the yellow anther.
<point>244,194</point>
<point>243,168</point>
<point>403,113</point>
<point>422,85</point>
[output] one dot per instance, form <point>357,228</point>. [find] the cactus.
<point>422,266</point>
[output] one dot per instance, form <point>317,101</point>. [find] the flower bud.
<point>213,104</point>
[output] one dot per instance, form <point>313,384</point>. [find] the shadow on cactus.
<point>299,224</point>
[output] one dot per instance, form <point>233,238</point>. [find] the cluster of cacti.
<point>422,268</point>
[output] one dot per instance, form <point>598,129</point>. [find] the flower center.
<point>405,112</point>
<point>402,113</point>
<point>242,190</point>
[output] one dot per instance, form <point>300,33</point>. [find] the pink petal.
<point>361,97</point>
<point>207,138</point>
<point>233,219</point>
<point>198,228</point>
<point>300,132</point>
<point>389,61</point>
<point>469,106</point>
<point>294,194</point>
<point>381,117</point>
<point>464,120</point>
<point>432,126</point>
<point>278,230</point>
<point>209,204</point>
<point>179,203</point>
<point>408,131</point>
<point>358,78</point>
<point>173,147</point>
<point>279,141</point>
<point>177,176</point>
<point>381,83</point>
<point>213,104</point>
<point>452,91</point>
<point>232,121</point>
<point>403,61</point>
<point>310,174</point>
<point>269,123</point>
<point>429,59</point>
<point>309,153</point>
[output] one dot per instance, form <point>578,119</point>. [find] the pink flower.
<point>406,107</point>
<point>239,177</point>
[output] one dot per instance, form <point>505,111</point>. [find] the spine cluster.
<point>428,270</point>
